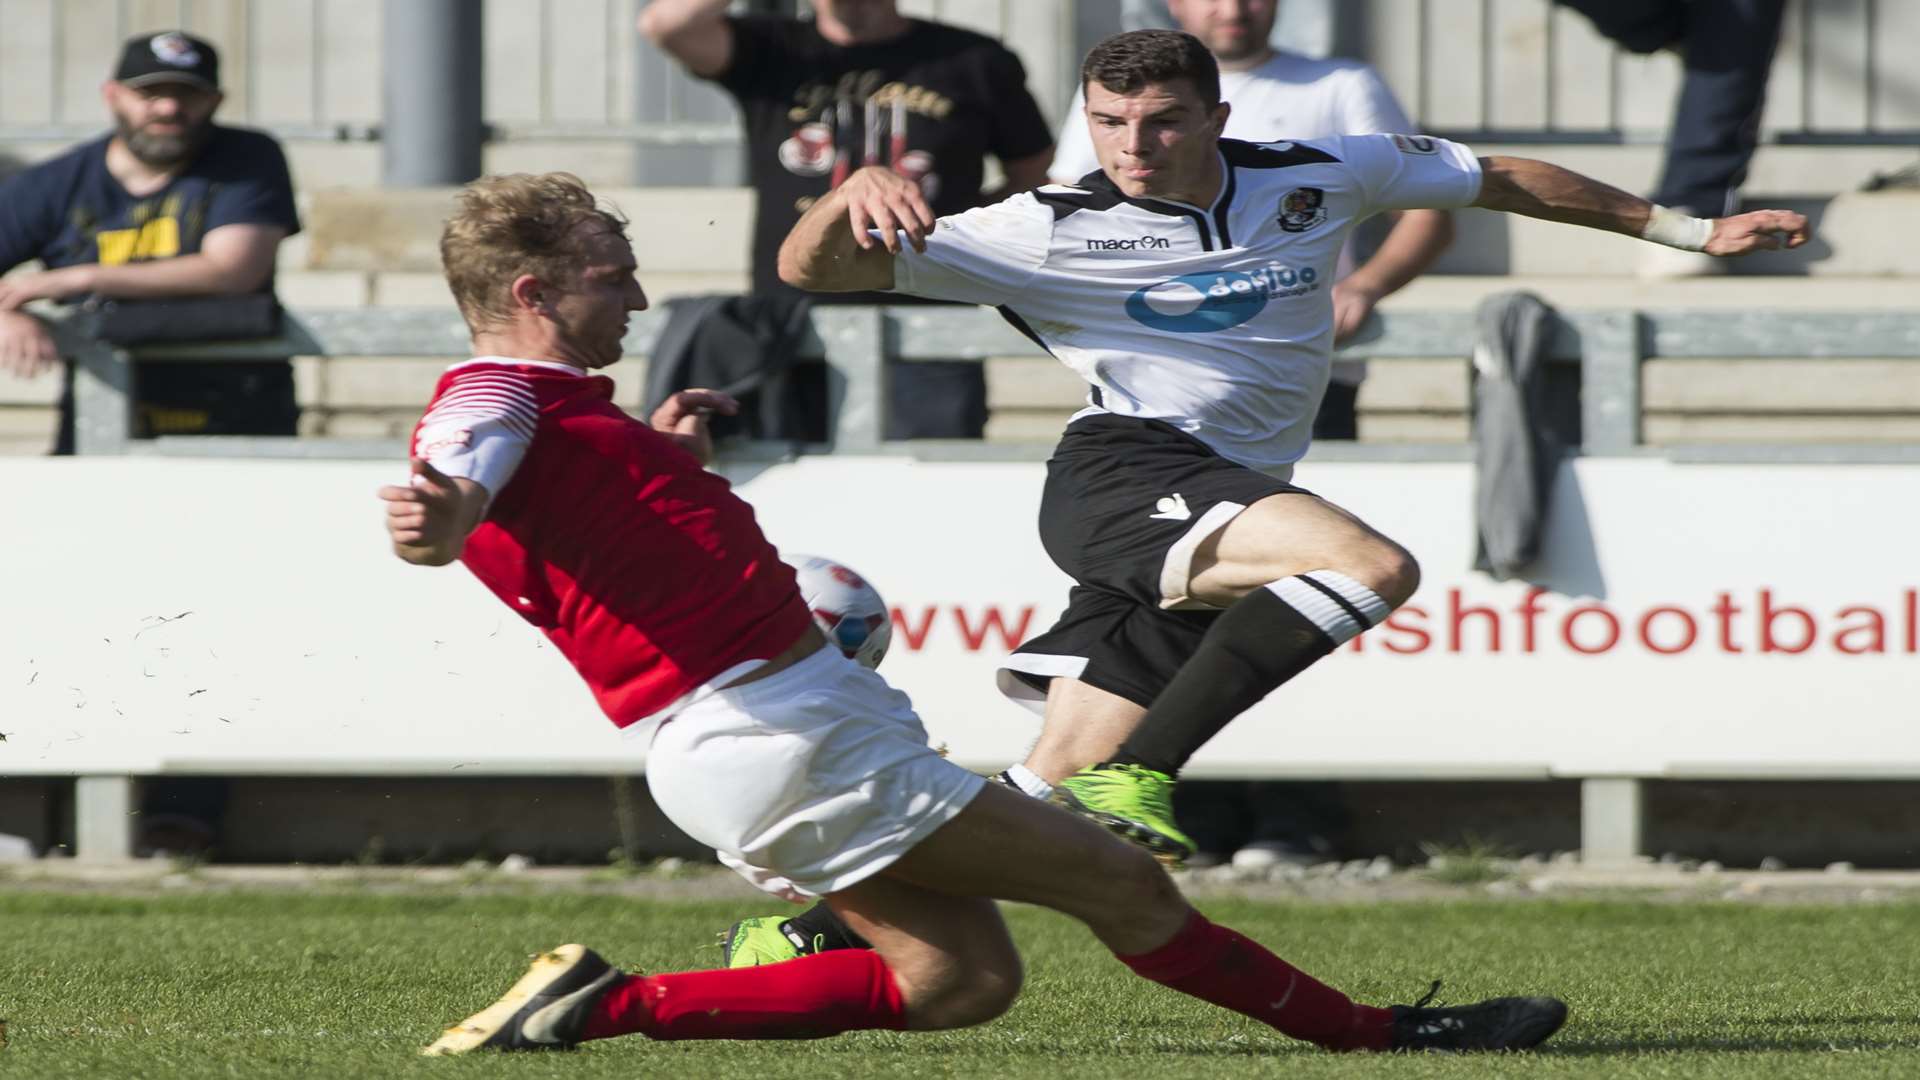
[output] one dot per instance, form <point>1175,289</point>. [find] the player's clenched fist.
<point>1759,230</point>
<point>683,418</point>
<point>429,518</point>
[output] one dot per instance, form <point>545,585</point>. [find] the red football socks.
<point>1217,965</point>
<point>809,998</point>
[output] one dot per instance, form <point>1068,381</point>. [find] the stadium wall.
<point>1686,620</point>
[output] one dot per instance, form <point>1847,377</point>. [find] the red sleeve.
<point>479,427</point>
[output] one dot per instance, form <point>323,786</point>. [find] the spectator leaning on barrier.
<point>862,84</point>
<point>170,205</point>
<point>1276,94</point>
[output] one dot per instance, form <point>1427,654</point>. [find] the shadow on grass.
<point>1848,1035</point>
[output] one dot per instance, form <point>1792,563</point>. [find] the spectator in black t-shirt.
<point>862,84</point>
<point>169,205</point>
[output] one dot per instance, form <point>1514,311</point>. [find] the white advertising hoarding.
<point>1702,620</point>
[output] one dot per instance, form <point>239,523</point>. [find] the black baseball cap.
<point>171,56</point>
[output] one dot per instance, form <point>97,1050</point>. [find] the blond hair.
<point>506,226</point>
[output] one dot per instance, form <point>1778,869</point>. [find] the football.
<point>847,609</point>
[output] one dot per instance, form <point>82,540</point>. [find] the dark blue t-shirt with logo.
<point>70,210</point>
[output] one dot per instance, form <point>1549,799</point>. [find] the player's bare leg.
<point>1087,730</point>
<point>942,957</point>
<point>1284,535</point>
<point>1011,847</point>
<point>1295,577</point>
<point>936,961</point>
<point>951,956</point>
<point>1083,725</point>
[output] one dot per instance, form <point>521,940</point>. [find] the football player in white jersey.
<point>1187,283</point>
<point>1283,95</point>
<point>1276,94</point>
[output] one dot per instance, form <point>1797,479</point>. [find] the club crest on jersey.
<point>1302,208</point>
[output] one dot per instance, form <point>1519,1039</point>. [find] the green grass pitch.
<point>346,984</point>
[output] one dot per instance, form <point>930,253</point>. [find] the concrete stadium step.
<point>1779,169</point>
<point>1792,171</point>
<point>677,230</point>
<point>696,239</point>
<point>1785,292</point>
<point>1854,235</point>
<point>1734,402</point>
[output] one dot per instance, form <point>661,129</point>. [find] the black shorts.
<point>1126,505</point>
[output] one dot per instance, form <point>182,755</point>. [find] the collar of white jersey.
<point>1211,219</point>
<point>1098,180</point>
<point>514,361</point>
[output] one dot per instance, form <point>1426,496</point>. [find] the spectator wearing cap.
<point>169,205</point>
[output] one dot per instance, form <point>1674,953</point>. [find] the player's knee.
<point>991,992</point>
<point>1399,574</point>
<point>1388,569</point>
<point>1135,883</point>
<point>981,991</point>
<point>1140,907</point>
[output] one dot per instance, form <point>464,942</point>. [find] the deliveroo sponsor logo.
<point>1216,300</point>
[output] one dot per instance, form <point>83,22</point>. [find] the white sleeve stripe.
<point>488,452</point>
<point>487,396</point>
<point>518,423</point>
<point>480,427</point>
<point>489,403</point>
<point>518,396</point>
<point>455,420</point>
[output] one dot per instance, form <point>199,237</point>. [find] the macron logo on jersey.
<point>1132,243</point>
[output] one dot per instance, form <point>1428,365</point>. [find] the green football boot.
<point>1133,802</point>
<point>761,940</point>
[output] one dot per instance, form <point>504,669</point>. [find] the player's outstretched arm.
<point>831,248</point>
<point>1538,189</point>
<point>428,519</point>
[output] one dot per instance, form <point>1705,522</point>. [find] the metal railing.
<point>857,343</point>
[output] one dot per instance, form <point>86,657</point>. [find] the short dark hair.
<point>1125,63</point>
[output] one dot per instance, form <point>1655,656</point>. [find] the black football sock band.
<point>1262,640</point>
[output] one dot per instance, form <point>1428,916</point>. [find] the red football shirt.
<point>645,570</point>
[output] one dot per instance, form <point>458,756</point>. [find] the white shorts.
<point>807,781</point>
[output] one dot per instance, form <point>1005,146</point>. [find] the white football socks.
<point>1029,781</point>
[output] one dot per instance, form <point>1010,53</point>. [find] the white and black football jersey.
<point>1217,320</point>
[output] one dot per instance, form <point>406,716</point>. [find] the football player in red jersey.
<point>807,773</point>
